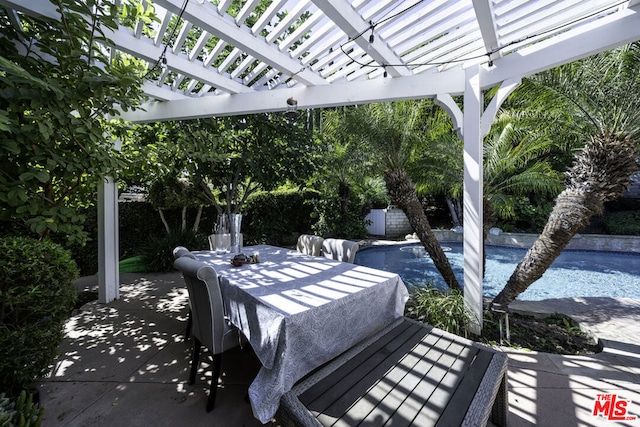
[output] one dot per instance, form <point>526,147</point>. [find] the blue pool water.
<point>572,274</point>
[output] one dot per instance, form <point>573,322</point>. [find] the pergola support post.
<point>108,238</point>
<point>472,198</point>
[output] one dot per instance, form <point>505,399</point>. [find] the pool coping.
<point>584,242</point>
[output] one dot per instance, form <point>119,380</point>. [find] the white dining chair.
<point>309,244</point>
<point>340,249</point>
<point>210,326</point>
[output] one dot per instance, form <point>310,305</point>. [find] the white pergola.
<point>219,61</point>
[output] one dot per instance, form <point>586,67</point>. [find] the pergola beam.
<point>348,93</point>
<point>487,24</point>
<point>603,34</point>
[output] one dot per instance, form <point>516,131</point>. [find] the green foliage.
<point>441,309</point>
<point>626,223</point>
<point>528,216</point>
<point>137,220</point>
<point>374,193</point>
<point>278,217</point>
<point>157,254</point>
<point>333,222</point>
<point>36,296</point>
<point>53,99</point>
<point>221,161</point>
<point>515,164</point>
<point>22,412</point>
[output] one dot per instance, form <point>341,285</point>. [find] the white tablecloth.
<point>299,311</point>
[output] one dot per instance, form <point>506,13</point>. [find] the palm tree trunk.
<point>454,210</point>
<point>570,215</point>
<point>489,219</point>
<point>402,192</point>
<point>601,172</point>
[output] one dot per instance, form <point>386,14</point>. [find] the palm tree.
<point>515,165</point>
<point>395,132</point>
<point>603,91</point>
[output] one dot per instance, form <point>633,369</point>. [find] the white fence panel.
<point>377,218</point>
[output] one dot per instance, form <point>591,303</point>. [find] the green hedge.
<point>36,296</point>
<point>278,217</point>
<point>626,223</point>
<point>268,217</point>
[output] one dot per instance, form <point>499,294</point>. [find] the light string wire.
<point>162,58</point>
<point>452,61</point>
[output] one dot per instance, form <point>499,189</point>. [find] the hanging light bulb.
<point>292,107</point>
<point>372,38</point>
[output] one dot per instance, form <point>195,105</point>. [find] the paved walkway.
<point>554,390</point>
<point>126,363</point>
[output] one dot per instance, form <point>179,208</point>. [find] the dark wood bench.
<point>407,374</point>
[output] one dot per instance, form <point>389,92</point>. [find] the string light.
<point>292,107</point>
<point>488,54</point>
<point>162,59</point>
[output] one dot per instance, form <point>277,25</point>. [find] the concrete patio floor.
<point>126,363</point>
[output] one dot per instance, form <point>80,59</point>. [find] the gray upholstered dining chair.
<point>310,244</point>
<point>339,249</point>
<point>210,327</point>
<point>177,253</point>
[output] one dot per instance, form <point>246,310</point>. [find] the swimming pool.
<point>572,274</point>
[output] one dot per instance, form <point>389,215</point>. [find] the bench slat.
<point>458,403</point>
<point>437,385</point>
<point>393,377</point>
<point>406,375</point>
<point>369,370</point>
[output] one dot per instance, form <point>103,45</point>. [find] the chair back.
<point>310,244</point>
<point>182,251</point>
<point>205,299</point>
<point>339,249</point>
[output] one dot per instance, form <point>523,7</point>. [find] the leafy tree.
<point>602,92</point>
<point>344,171</point>
<point>438,169</point>
<point>221,162</point>
<point>58,83</point>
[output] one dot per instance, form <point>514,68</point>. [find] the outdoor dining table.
<point>299,311</point>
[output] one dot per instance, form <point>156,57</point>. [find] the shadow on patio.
<point>126,363</point>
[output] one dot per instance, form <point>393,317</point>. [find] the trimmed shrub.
<point>36,296</point>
